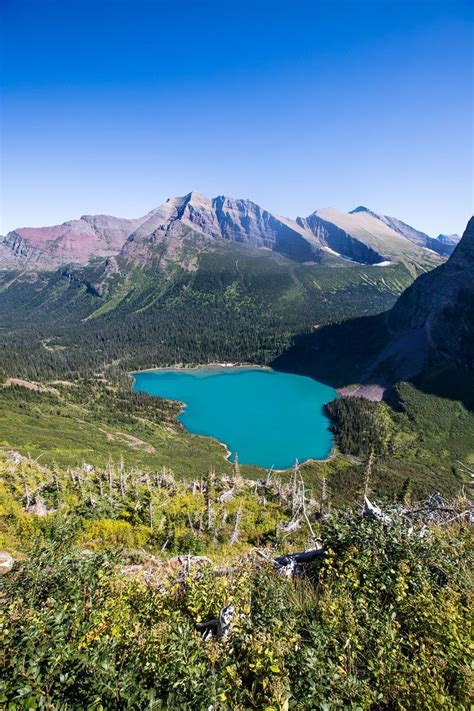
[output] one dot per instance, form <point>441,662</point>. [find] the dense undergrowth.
<point>99,613</point>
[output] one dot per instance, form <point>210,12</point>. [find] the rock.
<point>240,221</point>
<point>75,242</point>
<point>39,508</point>
<point>6,562</point>
<point>443,244</point>
<point>363,236</point>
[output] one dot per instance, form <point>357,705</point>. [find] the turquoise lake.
<point>268,418</point>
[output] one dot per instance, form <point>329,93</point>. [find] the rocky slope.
<point>443,244</point>
<point>437,310</point>
<point>426,336</point>
<point>360,236</point>
<point>363,237</point>
<point>76,242</point>
<point>222,218</point>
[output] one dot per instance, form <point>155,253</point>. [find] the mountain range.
<point>361,236</point>
<point>427,336</point>
<point>347,297</point>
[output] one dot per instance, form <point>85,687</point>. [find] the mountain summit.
<point>360,236</point>
<point>363,235</point>
<point>443,244</point>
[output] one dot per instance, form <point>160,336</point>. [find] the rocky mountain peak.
<point>360,236</point>
<point>464,250</point>
<point>361,208</point>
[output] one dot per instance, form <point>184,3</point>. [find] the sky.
<point>111,106</point>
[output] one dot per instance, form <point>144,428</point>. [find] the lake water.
<point>266,417</point>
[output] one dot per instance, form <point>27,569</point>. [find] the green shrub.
<point>381,621</point>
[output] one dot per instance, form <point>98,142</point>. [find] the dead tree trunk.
<point>236,532</point>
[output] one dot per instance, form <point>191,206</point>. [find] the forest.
<point>238,306</point>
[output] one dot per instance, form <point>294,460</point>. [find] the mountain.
<point>239,221</point>
<point>437,310</point>
<point>363,237</point>
<point>80,240</point>
<point>76,241</point>
<point>449,241</point>
<point>443,244</point>
<point>426,336</point>
<point>360,236</point>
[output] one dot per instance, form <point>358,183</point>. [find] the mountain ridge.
<point>443,244</point>
<point>426,337</point>
<point>439,305</point>
<point>361,236</point>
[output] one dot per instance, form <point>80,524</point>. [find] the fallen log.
<point>221,626</point>
<point>291,563</point>
<point>372,511</point>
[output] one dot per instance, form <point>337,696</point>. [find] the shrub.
<point>382,620</point>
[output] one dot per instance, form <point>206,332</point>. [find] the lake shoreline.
<point>223,368</point>
<point>206,366</point>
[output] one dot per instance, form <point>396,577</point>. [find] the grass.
<point>58,430</point>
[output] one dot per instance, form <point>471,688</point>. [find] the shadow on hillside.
<point>448,381</point>
<point>337,355</point>
<point>344,354</point>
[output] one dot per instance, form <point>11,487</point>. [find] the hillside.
<point>135,590</point>
<point>443,244</point>
<point>213,301</point>
<point>224,279</point>
<point>439,307</point>
<point>363,237</point>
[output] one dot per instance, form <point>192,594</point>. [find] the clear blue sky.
<point>112,106</point>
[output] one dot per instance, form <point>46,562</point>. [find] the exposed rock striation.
<point>225,218</point>
<point>75,242</point>
<point>363,237</point>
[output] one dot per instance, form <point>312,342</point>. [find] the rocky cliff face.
<point>225,218</point>
<point>342,241</point>
<point>440,305</point>
<point>76,242</point>
<point>363,237</point>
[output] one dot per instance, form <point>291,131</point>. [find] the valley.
<point>221,301</point>
<point>236,356</point>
